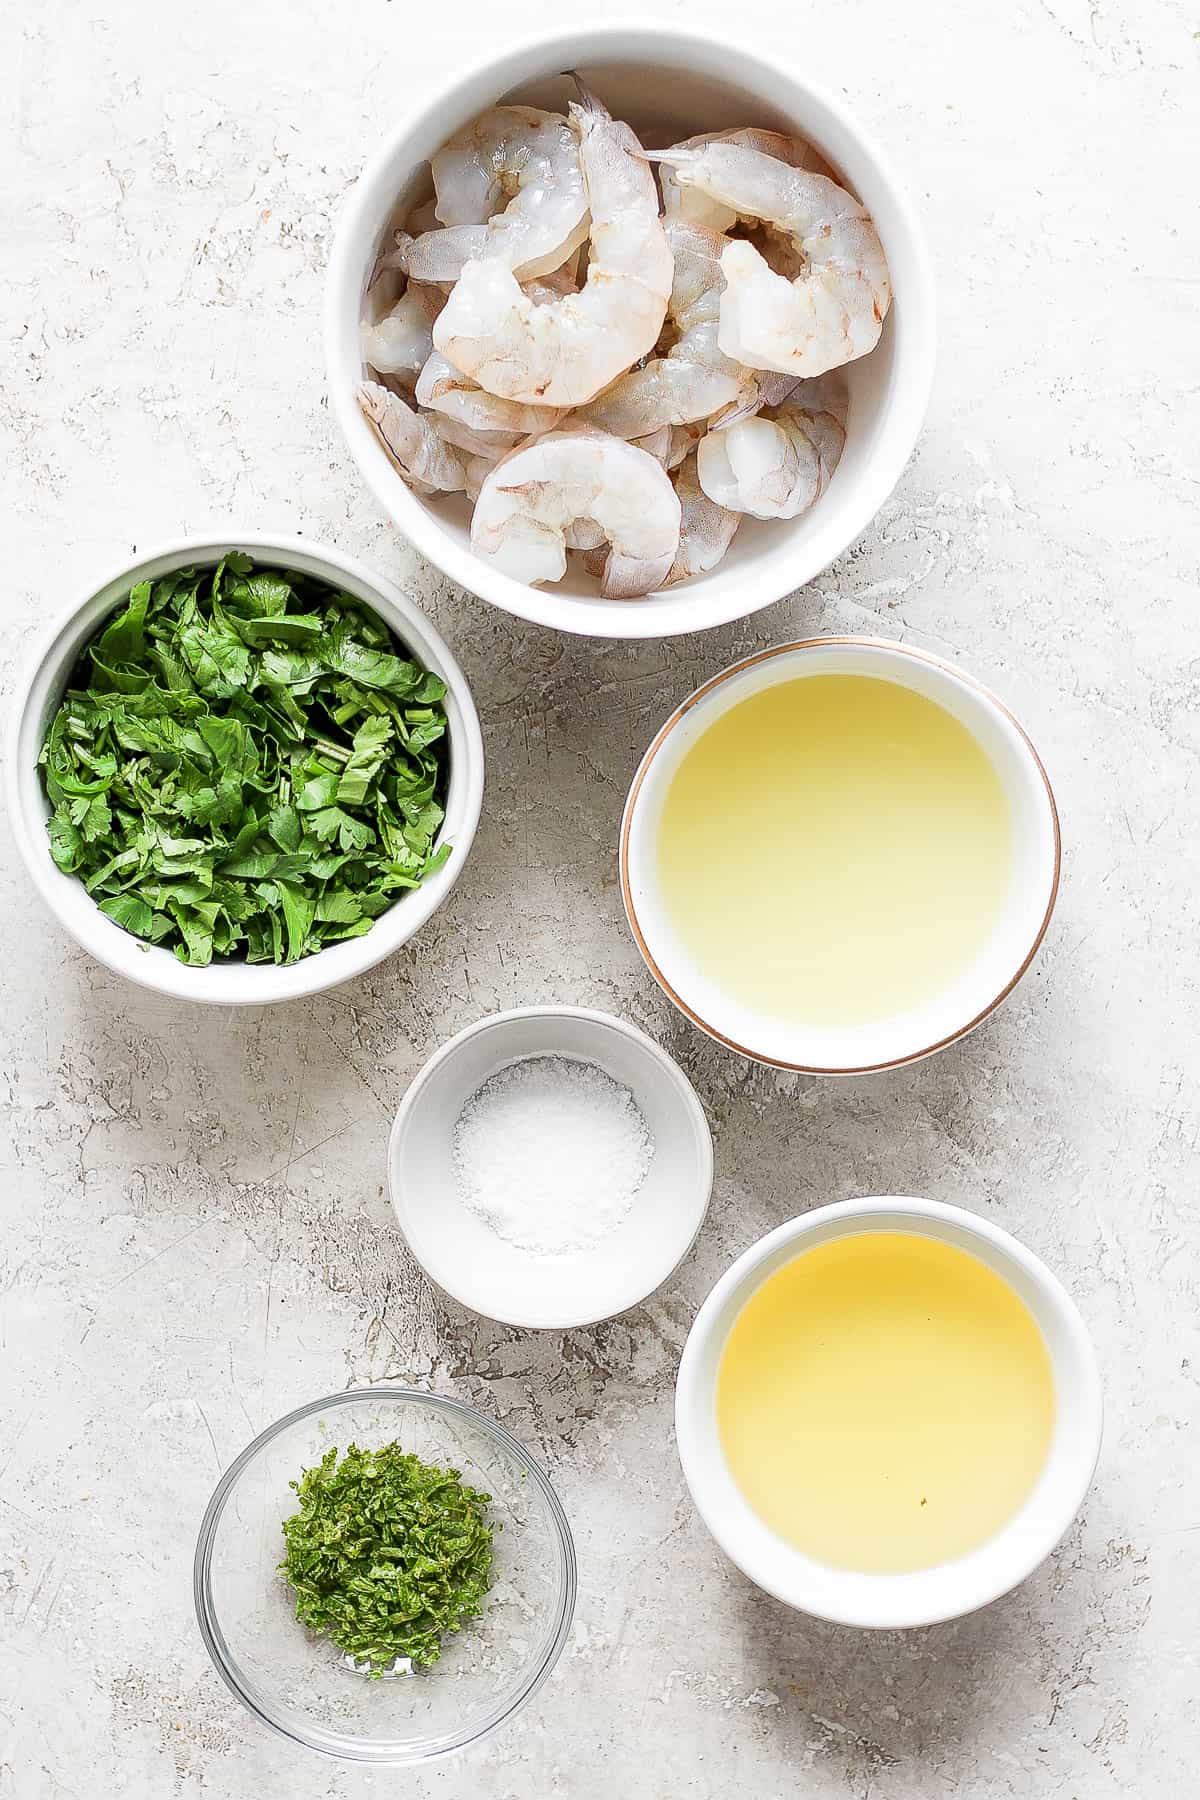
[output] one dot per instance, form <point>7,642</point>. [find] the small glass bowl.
<point>300,1684</point>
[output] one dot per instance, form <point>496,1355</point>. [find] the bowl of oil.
<point>888,1412</point>
<point>839,855</point>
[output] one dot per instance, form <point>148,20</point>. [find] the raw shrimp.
<point>706,529</point>
<point>582,534</point>
<point>684,439</point>
<point>564,352</point>
<point>401,342</point>
<point>544,290</point>
<point>695,379</point>
<point>833,311</point>
<point>776,467</point>
<point>476,470</point>
<point>426,462</point>
<point>670,444</point>
<point>772,389</point>
<point>659,444</point>
<point>492,444</point>
<point>423,217</point>
<point>394,260</point>
<point>445,389</point>
<point>390,261</point>
<point>542,492</point>
<point>509,187</point>
<point>700,208</point>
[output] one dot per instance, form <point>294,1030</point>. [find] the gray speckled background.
<point>195,1232</point>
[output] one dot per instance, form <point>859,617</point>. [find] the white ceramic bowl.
<point>471,1261</point>
<point>903,1037</point>
<point>37,695</point>
<point>952,1588</point>
<point>670,83</point>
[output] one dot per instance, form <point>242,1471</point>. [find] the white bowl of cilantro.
<point>244,770</point>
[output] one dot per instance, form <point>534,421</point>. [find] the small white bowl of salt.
<point>550,1167</point>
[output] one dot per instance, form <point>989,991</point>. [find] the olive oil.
<point>834,849</point>
<point>885,1401</point>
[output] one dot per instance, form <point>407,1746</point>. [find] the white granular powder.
<point>550,1152</point>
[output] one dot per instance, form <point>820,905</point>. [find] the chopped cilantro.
<point>246,764</point>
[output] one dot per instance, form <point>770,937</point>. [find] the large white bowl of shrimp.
<point>636,349</point>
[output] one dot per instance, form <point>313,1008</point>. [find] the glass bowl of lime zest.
<point>385,1576</point>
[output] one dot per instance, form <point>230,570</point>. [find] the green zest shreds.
<point>246,764</point>
<point>386,1554</point>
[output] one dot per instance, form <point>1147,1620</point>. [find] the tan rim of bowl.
<point>681,712</point>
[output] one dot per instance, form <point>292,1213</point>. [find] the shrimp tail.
<point>369,395</point>
<point>775,388</point>
<point>770,390</point>
<point>735,414</point>
<point>682,163</point>
<point>391,261</point>
<point>588,101</point>
<point>423,459</point>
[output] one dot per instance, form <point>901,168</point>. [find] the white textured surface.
<point>195,1234</point>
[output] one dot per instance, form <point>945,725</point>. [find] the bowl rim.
<point>1088,1403</point>
<point>226,1665</point>
<point>905,414</point>
<point>264,983</point>
<point>593,1016</point>
<point>852,639</point>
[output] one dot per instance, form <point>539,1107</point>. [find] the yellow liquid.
<point>834,849</point>
<point>885,1402</point>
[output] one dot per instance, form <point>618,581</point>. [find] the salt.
<point>550,1153</point>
